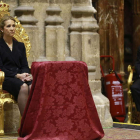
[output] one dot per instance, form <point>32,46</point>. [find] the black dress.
<point>13,62</point>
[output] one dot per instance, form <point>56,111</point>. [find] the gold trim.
<point>1,132</point>
<point>1,118</point>
<point>130,100</point>
<point>21,36</point>
<point>127,123</point>
<point>2,75</point>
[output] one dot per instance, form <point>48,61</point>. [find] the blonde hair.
<point>5,18</point>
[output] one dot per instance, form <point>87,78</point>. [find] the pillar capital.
<point>82,19</point>
<point>53,15</point>
<point>25,15</point>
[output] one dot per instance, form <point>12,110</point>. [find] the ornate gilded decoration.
<point>4,9</point>
<point>2,102</point>
<point>21,36</point>
<point>130,100</point>
<point>1,81</point>
<point>1,132</point>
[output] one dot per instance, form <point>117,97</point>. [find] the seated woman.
<point>13,62</point>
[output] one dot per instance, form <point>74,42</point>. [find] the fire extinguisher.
<point>114,92</point>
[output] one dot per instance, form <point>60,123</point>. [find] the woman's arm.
<point>24,76</point>
<point>7,72</point>
<point>24,63</point>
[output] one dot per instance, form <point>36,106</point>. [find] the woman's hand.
<point>24,77</point>
<point>28,78</point>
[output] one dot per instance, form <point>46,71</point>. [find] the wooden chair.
<point>21,36</point>
<point>130,100</point>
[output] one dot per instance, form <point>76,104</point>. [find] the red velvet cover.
<point>60,105</point>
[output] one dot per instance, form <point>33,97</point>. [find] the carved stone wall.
<point>65,30</point>
<point>55,34</point>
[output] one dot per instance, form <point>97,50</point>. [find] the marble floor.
<point>121,134</point>
<point>110,134</point>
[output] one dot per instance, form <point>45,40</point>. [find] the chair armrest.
<point>129,96</point>
<point>130,77</point>
<point>2,75</point>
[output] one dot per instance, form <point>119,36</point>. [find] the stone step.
<point>9,137</point>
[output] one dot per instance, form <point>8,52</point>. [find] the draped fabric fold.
<point>60,104</point>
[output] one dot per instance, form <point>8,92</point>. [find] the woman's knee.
<point>24,87</point>
<point>23,91</point>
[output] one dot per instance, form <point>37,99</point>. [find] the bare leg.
<point>23,97</point>
<point>29,88</point>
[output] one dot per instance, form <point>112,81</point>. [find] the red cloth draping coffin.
<point>60,104</point>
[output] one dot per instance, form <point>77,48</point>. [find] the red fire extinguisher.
<point>114,92</point>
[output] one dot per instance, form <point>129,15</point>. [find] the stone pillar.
<point>25,14</point>
<point>136,27</point>
<point>84,46</point>
<point>111,30</point>
<point>55,34</point>
<point>40,15</point>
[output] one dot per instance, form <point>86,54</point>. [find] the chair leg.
<point>130,102</point>
<point>1,119</point>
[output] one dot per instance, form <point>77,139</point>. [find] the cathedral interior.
<point>81,30</point>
